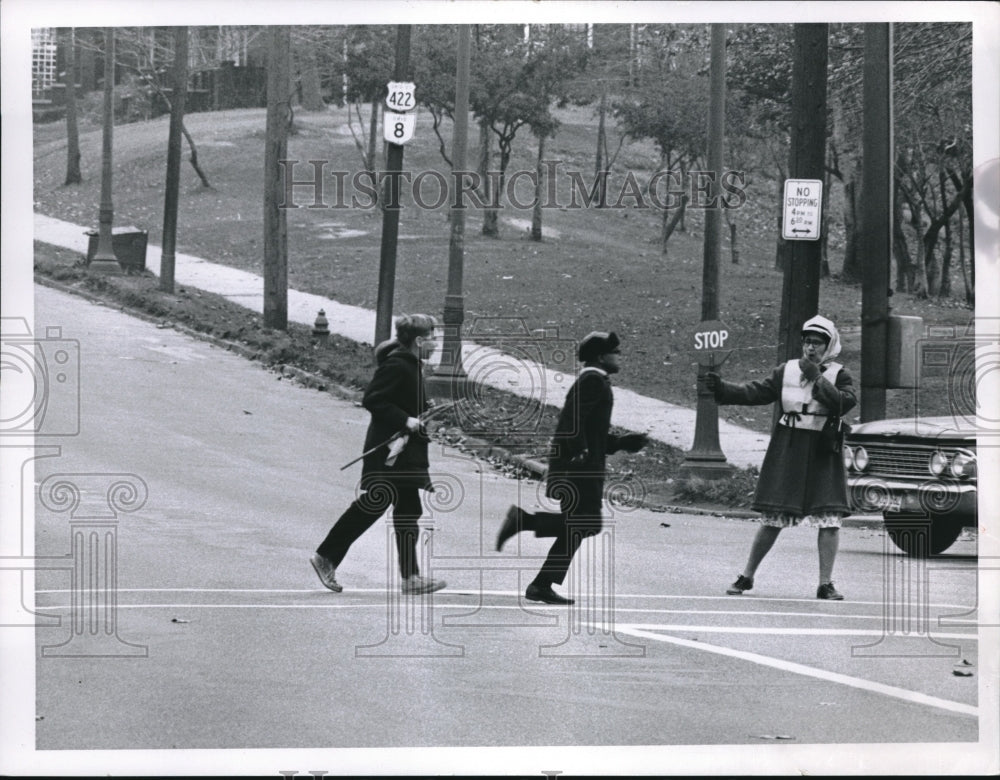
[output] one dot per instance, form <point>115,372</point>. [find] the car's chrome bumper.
<point>952,498</point>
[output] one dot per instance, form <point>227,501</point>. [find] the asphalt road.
<point>191,619</point>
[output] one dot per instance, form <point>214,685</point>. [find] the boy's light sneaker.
<point>417,584</point>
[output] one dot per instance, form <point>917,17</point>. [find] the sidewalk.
<point>665,422</point>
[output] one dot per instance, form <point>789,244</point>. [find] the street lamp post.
<point>706,459</point>
<point>104,260</point>
<point>450,370</point>
<point>168,255</point>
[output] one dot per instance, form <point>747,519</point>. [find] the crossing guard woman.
<point>802,480</point>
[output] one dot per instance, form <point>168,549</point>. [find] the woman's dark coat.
<point>800,475</point>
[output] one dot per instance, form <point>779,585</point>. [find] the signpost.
<point>706,458</point>
<point>399,97</point>
<point>802,208</point>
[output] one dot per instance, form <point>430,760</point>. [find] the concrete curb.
<point>478,448</point>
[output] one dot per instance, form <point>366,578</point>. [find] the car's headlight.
<point>848,454</point>
<point>963,466</point>
<point>860,458</point>
<point>938,463</point>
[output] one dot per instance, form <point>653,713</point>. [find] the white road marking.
<point>807,671</point>
<point>777,630</point>
<point>477,592</point>
<point>774,630</point>
<point>511,594</point>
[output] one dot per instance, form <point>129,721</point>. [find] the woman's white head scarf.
<point>824,327</point>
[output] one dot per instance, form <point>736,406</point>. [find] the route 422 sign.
<point>399,118</point>
<point>399,96</point>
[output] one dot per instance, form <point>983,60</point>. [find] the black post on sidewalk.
<point>279,114</point>
<point>104,260</point>
<point>876,217</point>
<point>173,185</point>
<point>806,160</point>
<point>391,205</point>
<point>450,372</point>
<point>706,459</point>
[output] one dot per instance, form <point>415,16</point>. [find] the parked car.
<point>920,473</point>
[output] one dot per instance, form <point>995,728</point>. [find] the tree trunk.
<point>931,261</point>
<point>900,247</point>
<point>670,222</point>
<point>194,158</point>
<point>824,221</point>
<point>783,250</point>
<point>918,271</point>
<point>373,134</point>
<point>490,217</point>
<point>501,179</point>
<point>930,237</point>
<point>682,225</point>
<point>944,291</point>
<point>602,146</point>
<point>370,156</point>
<point>88,60</point>
<point>967,203</point>
<point>734,246</point>
<point>309,83</point>
<point>536,212</point>
<point>970,297</point>
<point>73,175</point>
<point>191,145</point>
<point>851,271</point>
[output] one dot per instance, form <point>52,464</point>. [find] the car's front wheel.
<point>921,536</point>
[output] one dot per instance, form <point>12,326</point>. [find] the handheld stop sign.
<point>713,336</point>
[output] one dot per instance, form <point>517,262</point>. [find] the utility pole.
<point>706,458</point>
<point>876,217</point>
<point>450,368</point>
<point>73,175</point>
<point>275,150</point>
<point>104,260</point>
<point>173,185</point>
<point>716,139</point>
<point>391,206</point>
<point>806,161</point>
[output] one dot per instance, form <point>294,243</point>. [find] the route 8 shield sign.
<point>398,128</point>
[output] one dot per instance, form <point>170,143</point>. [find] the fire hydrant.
<point>321,328</point>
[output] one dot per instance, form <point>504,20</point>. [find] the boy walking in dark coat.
<point>395,472</point>
<point>580,446</point>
